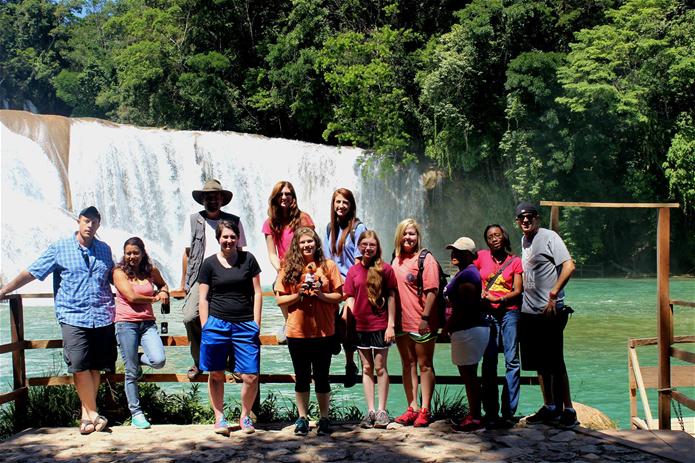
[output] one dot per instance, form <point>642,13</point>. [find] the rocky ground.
<point>197,443</point>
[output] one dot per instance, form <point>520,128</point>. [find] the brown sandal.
<point>83,427</point>
<point>100,423</point>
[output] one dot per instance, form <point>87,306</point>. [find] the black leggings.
<point>311,355</point>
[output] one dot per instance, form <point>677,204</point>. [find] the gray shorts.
<point>89,348</point>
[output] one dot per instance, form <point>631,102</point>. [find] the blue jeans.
<point>503,337</point>
<point>132,335</point>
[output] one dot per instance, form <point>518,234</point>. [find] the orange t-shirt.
<point>411,305</point>
<point>310,317</point>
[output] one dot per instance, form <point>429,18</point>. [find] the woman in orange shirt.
<point>309,288</point>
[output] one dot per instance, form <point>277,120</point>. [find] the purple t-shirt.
<point>469,315</point>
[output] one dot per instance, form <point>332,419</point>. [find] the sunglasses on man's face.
<point>528,217</point>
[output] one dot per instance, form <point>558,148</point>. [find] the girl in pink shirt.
<point>284,217</point>
<point>135,279</point>
<point>418,332</point>
<point>370,288</point>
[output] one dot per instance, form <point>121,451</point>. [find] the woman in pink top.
<point>418,332</point>
<point>284,217</point>
<point>370,288</point>
<point>135,279</point>
<point>500,272</point>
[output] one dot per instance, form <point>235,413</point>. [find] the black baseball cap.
<point>91,212</point>
<point>526,207</point>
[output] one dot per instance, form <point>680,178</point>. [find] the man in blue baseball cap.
<point>81,266</point>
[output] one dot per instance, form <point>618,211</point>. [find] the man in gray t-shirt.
<point>542,257</point>
<point>547,268</point>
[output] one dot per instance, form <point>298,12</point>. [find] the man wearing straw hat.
<point>203,244</point>
<point>81,266</point>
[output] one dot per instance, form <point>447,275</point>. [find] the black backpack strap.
<point>494,278</point>
<point>421,269</point>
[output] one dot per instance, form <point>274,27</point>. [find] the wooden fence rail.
<point>19,345</point>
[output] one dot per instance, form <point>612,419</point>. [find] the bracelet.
<point>425,318</point>
<point>163,291</point>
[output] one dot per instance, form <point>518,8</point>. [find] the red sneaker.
<point>468,424</point>
<point>407,418</point>
<point>423,419</point>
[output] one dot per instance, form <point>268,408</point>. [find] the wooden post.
<point>555,219</point>
<point>664,318</point>
<point>631,385</point>
<point>19,372</point>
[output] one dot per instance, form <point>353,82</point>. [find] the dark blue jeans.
<point>503,338</point>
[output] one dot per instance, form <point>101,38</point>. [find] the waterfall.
<point>141,181</point>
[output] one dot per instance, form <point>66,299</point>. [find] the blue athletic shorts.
<point>220,337</point>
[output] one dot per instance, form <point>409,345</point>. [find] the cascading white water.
<point>141,181</point>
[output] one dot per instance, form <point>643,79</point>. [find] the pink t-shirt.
<point>505,282</point>
<point>368,318</point>
<point>412,305</point>
<point>287,233</point>
<point>132,312</point>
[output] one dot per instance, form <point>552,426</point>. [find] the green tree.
<point>368,76</point>
<point>463,78</point>
<point>535,145</point>
<point>680,162</point>
<point>33,32</point>
<point>288,89</point>
<point>625,83</point>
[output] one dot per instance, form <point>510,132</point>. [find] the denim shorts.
<point>220,337</point>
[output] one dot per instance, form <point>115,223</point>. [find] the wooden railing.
<point>641,378</point>
<point>19,345</point>
<point>667,351</point>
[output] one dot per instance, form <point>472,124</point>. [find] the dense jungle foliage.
<point>548,99</point>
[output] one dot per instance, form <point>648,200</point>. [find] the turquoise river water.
<point>608,312</point>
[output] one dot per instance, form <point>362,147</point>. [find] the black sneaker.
<point>543,416</point>
<point>568,419</point>
<point>507,422</point>
<point>490,422</point>
<point>351,371</point>
<point>301,426</point>
<point>323,428</point>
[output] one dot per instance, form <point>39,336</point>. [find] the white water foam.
<point>141,181</point>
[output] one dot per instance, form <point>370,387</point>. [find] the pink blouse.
<point>135,312</point>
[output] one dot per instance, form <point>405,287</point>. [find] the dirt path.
<point>197,443</point>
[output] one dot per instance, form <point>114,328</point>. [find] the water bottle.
<point>280,335</point>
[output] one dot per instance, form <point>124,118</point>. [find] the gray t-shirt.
<point>541,257</point>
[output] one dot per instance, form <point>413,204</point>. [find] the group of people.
<point>333,289</point>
